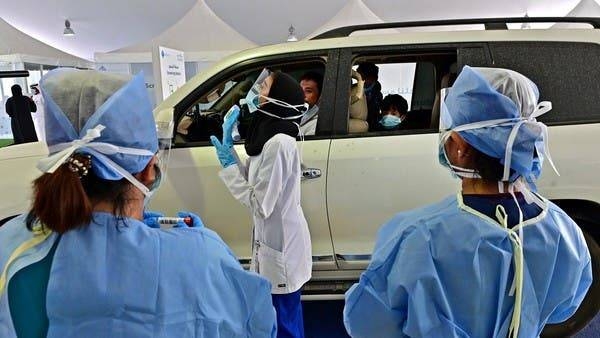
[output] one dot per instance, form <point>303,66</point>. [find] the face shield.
<point>445,118</point>
<point>252,98</point>
<point>164,131</point>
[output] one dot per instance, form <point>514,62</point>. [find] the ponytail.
<point>60,201</point>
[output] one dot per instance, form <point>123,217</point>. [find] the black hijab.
<point>16,90</point>
<point>263,127</point>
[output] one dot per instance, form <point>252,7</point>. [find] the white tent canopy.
<point>392,10</point>
<point>354,13</point>
<point>193,33</point>
<point>17,47</point>
<point>588,8</point>
<point>267,21</point>
<point>100,26</point>
<point>208,29</point>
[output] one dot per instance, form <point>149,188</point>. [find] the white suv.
<point>355,180</point>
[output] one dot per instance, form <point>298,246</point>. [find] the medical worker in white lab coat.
<point>269,185</point>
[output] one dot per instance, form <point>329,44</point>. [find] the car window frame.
<point>347,60</point>
<point>325,101</point>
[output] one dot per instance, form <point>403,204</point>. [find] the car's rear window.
<point>567,74</point>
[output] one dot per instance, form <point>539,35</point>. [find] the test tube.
<point>174,220</point>
<point>235,134</point>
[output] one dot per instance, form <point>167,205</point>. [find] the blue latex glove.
<point>229,121</point>
<point>151,218</point>
<point>224,152</point>
<point>196,221</point>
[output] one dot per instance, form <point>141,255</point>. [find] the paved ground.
<point>323,319</point>
<point>592,330</point>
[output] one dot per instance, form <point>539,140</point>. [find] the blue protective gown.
<point>444,271</point>
<point>114,280</point>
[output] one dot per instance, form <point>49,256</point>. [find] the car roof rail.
<point>490,24</point>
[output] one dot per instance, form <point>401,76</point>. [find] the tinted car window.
<point>566,73</point>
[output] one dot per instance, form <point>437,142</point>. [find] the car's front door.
<point>192,182</point>
<point>376,174</point>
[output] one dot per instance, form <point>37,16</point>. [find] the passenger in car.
<point>496,260</point>
<point>82,263</point>
<point>394,109</point>
<point>358,110</point>
<point>269,185</point>
<point>370,74</point>
<point>312,85</point>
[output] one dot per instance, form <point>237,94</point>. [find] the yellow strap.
<point>517,283</point>
<point>518,256</point>
<point>40,235</point>
<point>502,216</point>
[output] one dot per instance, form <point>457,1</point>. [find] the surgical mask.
<point>252,99</point>
<point>390,121</point>
<point>443,159</point>
<point>254,92</point>
<point>447,124</point>
<point>455,170</point>
<point>154,186</point>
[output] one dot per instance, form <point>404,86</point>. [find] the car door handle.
<point>311,173</point>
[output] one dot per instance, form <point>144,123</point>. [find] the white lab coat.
<point>269,185</point>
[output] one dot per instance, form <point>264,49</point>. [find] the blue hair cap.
<point>78,101</point>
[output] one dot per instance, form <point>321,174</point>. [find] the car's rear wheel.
<point>590,304</point>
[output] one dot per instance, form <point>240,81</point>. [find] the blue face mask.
<point>252,98</point>
<point>390,121</point>
<point>254,92</point>
<point>455,171</point>
<point>443,159</point>
<point>154,186</point>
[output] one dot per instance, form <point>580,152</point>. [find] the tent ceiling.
<point>586,8</point>
<point>355,11</point>
<point>11,37</point>
<point>100,26</point>
<point>217,36</point>
<point>390,10</point>
<point>134,25</point>
<point>267,21</point>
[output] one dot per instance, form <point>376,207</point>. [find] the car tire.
<point>589,306</point>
